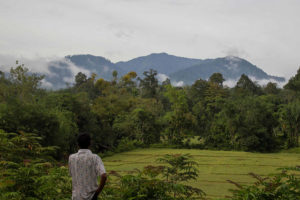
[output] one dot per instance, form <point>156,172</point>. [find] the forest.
<point>39,127</point>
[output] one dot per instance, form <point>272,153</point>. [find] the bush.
<point>127,145</point>
<point>283,186</point>
<point>124,145</point>
<point>27,170</point>
<point>157,182</point>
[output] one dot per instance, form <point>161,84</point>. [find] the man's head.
<point>84,141</point>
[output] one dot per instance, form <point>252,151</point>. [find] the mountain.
<point>62,72</point>
<point>230,67</point>
<point>161,62</point>
<point>96,64</point>
<point>178,69</point>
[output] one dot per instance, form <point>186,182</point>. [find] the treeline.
<point>140,111</point>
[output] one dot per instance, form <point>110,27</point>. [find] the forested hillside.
<point>39,127</point>
<point>178,69</point>
<point>230,67</point>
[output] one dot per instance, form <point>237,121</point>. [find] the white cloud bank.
<point>37,65</point>
<point>177,84</point>
<point>41,65</point>
<point>262,82</point>
<point>162,77</point>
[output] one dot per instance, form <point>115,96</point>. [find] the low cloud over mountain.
<point>230,67</point>
<point>181,71</point>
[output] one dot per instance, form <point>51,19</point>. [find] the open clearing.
<point>215,167</point>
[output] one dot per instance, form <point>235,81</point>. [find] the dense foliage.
<point>28,171</point>
<point>162,182</point>
<point>128,112</point>
<point>284,185</point>
<point>247,117</point>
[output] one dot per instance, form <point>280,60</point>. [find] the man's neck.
<point>84,150</point>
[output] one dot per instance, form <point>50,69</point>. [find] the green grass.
<point>292,150</point>
<point>215,167</point>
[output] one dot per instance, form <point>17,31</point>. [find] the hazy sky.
<point>265,32</point>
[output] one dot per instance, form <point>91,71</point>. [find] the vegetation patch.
<point>215,167</point>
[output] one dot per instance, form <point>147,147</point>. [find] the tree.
<point>217,78</point>
<point>140,124</point>
<point>294,82</point>
<point>80,79</point>
<point>207,101</point>
<point>246,86</point>
<point>246,124</point>
<point>23,84</point>
<point>180,121</point>
<point>149,84</point>
<point>166,82</point>
<point>84,84</point>
<point>290,122</point>
<point>128,82</point>
<point>115,77</point>
<point>271,88</point>
<point>103,87</point>
<point>198,90</point>
<point>28,170</point>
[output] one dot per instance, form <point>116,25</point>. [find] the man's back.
<point>85,167</point>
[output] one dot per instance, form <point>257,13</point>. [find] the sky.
<point>265,32</point>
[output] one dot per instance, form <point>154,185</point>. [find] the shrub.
<point>27,170</point>
<point>157,182</point>
<point>282,186</point>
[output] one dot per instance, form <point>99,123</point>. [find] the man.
<point>85,167</point>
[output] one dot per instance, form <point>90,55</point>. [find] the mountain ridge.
<point>186,70</point>
<point>162,62</point>
<point>230,67</point>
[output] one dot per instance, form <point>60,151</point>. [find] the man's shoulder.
<point>88,155</point>
<point>72,156</point>
<point>96,156</point>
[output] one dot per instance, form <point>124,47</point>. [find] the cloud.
<point>37,65</point>
<point>262,82</point>
<point>46,84</point>
<point>230,83</point>
<point>203,29</point>
<point>162,77</point>
<point>123,34</point>
<point>177,84</point>
<point>233,62</point>
<point>74,68</point>
<point>52,67</point>
<point>68,79</point>
<point>105,69</point>
<point>235,52</point>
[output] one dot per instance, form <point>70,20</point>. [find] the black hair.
<point>84,140</point>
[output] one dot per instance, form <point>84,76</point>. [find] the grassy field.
<point>215,167</point>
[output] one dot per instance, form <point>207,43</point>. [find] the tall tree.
<point>80,79</point>
<point>246,86</point>
<point>25,85</point>
<point>217,78</point>
<point>149,84</point>
<point>290,122</point>
<point>180,121</point>
<point>294,82</point>
<point>271,88</point>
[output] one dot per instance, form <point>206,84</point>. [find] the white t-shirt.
<point>85,167</point>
